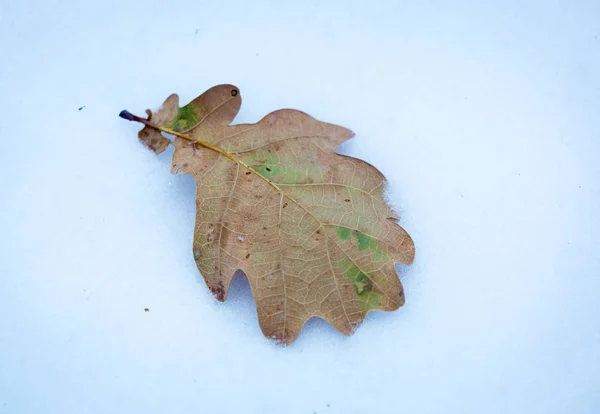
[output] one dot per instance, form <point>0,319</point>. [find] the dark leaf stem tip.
<point>125,114</point>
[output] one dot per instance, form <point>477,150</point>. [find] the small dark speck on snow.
<point>81,107</point>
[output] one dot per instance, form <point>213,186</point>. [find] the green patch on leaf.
<point>268,171</point>
<point>362,285</point>
<point>365,242</point>
<point>267,165</point>
<point>282,168</point>
<point>185,118</point>
<point>343,233</point>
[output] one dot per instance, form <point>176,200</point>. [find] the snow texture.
<point>484,116</point>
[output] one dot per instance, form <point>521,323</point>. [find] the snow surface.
<point>484,116</point>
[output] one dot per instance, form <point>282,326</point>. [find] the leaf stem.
<point>125,114</point>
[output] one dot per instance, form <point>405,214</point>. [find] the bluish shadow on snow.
<point>240,295</point>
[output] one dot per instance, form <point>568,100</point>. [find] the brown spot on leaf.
<point>218,291</point>
<point>210,235</point>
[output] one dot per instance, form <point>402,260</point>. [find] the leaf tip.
<point>219,291</point>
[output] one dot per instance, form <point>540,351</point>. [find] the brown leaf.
<point>310,228</point>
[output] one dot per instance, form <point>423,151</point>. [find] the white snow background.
<point>484,116</point>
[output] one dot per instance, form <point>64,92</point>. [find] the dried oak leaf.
<point>310,228</point>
